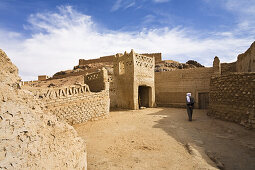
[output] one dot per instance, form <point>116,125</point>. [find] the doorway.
<point>203,100</point>
<point>143,96</point>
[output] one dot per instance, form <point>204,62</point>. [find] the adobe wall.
<point>75,104</point>
<point>144,75</point>
<point>43,77</point>
<point>98,60</point>
<point>171,86</point>
<point>227,68</point>
<point>232,98</point>
<point>131,70</point>
<point>112,92</point>
<point>123,81</point>
<point>157,56</point>
<point>97,81</point>
<point>246,61</point>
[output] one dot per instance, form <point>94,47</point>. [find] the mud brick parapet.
<point>110,59</point>
<point>98,60</point>
<point>75,104</point>
<point>232,98</point>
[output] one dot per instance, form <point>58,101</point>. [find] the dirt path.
<point>162,138</point>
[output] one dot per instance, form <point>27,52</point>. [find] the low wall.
<point>232,98</point>
<point>75,104</point>
<point>171,86</point>
<point>28,82</point>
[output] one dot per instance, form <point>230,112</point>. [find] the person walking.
<point>190,105</point>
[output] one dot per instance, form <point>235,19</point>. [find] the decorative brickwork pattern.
<point>75,104</point>
<point>97,81</point>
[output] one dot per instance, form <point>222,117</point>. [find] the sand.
<point>162,138</point>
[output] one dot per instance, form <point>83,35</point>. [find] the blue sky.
<point>46,36</point>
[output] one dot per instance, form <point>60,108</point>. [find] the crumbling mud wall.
<point>31,138</point>
<point>232,98</point>
<point>227,68</point>
<point>246,61</point>
<point>98,60</point>
<point>75,104</point>
<point>110,59</point>
<point>157,56</point>
<point>112,92</point>
<point>172,86</point>
<point>97,81</point>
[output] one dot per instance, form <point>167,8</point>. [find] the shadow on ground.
<point>224,142</point>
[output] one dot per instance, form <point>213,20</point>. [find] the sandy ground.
<point>162,138</point>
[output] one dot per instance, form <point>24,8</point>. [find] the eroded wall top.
<point>246,61</point>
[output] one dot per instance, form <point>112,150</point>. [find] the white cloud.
<point>60,39</point>
<point>243,13</point>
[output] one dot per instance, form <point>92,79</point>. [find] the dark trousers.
<point>190,112</point>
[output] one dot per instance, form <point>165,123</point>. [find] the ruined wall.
<point>97,81</point>
<point>28,82</point>
<point>112,92</point>
<point>31,138</point>
<point>75,104</point>
<point>227,68</point>
<point>246,61</point>
<point>157,56</point>
<point>63,74</point>
<point>172,86</point>
<point>69,73</point>
<point>98,60</point>
<point>232,98</point>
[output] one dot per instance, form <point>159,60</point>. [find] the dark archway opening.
<point>143,96</point>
